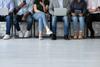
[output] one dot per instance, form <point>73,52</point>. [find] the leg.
<point>17,19</point>
<point>44,21</point>
<point>8,27</point>
<point>81,30</point>
<point>66,26</point>
<point>29,21</point>
<point>75,26</point>
<point>75,23</point>
<point>8,24</point>
<point>37,16</point>
<point>54,24</point>
<point>89,24</point>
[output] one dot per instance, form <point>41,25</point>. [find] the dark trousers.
<point>18,18</point>
<point>91,18</point>
<point>8,19</point>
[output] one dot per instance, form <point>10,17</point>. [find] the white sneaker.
<point>27,34</point>
<point>20,34</point>
<point>49,32</point>
<point>40,38</point>
<point>6,37</point>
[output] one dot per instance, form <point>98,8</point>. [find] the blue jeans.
<point>54,24</point>
<point>9,21</point>
<point>42,20</point>
<point>77,27</point>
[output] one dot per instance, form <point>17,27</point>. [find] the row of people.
<point>27,10</point>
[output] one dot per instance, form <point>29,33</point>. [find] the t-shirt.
<point>93,4</point>
<point>60,3</point>
<point>78,7</point>
<point>39,6</point>
<point>27,8</point>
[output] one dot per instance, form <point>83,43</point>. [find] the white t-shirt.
<point>93,4</point>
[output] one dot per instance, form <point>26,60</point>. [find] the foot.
<point>53,37</point>
<point>75,35</point>
<point>80,35</point>
<point>20,34</point>
<point>49,32</point>
<point>6,37</point>
<point>66,37</point>
<point>40,38</point>
<point>92,35</point>
<point>27,34</point>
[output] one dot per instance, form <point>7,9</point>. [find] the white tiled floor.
<point>49,53</point>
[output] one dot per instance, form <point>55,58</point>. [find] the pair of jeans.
<point>9,21</point>
<point>54,24</point>
<point>78,23</point>
<point>42,20</point>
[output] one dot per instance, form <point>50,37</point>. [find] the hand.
<point>73,14</point>
<point>42,4</point>
<point>81,14</point>
<point>98,9</point>
<point>23,18</point>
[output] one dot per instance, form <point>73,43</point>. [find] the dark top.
<point>39,6</point>
<point>78,7</point>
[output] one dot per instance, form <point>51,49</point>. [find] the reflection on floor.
<point>49,53</point>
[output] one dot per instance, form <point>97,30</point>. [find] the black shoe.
<point>92,35</point>
<point>53,37</point>
<point>66,37</point>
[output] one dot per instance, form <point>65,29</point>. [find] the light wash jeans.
<point>81,23</point>
<point>54,24</point>
<point>42,20</point>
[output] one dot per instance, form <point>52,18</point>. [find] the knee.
<point>54,18</point>
<point>81,19</point>
<point>74,18</point>
<point>8,18</point>
<point>29,19</point>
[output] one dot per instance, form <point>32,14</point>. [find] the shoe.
<point>66,37</point>
<point>40,38</point>
<point>53,37</point>
<point>92,35</point>
<point>20,34</point>
<point>75,36</point>
<point>80,35</point>
<point>6,37</point>
<point>27,34</point>
<point>49,32</point>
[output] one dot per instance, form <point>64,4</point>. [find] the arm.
<point>43,5</point>
<point>25,16</point>
<point>51,8</point>
<point>11,5</point>
<point>19,7</point>
<point>35,8</point>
